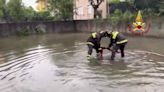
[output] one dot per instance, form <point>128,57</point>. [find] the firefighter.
<point>93,42</point>
<point>117,41</point>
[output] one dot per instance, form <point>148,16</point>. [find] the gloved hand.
<point>100,49</point>
<point>89,57</point>
<point>104,47</point>
<point>98,54</point>
<point>109,48</point>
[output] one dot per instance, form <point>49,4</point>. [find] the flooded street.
<point>57,63</point>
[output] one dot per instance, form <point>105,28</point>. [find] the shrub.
<point>23,32</point>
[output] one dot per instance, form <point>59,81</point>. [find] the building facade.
<point>83,10</point>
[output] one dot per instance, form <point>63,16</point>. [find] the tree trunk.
<point>95,7</point>
<point>95,13</point>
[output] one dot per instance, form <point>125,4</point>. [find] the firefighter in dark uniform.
<point>93,42</point>
<point>117,41</point>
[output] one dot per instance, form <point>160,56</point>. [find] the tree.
<point>15,10</point>
<point>42,16</point>
<point>114,1</point>
<point>28,13</point>
<point>2,9</point>
<point>61,9</point>
<point>115,18</point>
<point>146,4</point>
<point>95,4</point>
<point>161,7</point>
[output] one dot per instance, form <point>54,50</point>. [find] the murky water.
<point>57,63</point>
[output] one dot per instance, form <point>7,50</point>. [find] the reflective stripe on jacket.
<point>90,43</point>
<point>117,38</point>
<point>123,41</point>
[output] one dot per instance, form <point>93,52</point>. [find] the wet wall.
<point>8,29</point>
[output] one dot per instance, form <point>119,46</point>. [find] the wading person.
<point>117,42</point>
<point>93,42</point>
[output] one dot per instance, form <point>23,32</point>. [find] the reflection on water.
<point>57,63</point>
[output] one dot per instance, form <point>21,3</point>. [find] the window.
<point>90,9</point>
<point>80,11</point>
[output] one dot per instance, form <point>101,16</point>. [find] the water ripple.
<point>64,68</point>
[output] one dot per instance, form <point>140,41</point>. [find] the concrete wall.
<point>7,29</point>
<point>156,26</point>
<point>92,25</point>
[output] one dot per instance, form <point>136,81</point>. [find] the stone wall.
<point>7,29</point>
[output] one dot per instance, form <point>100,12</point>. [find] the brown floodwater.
<point>57,63</point>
